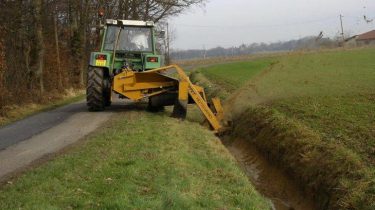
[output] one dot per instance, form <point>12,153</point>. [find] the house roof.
<point>367,36</point>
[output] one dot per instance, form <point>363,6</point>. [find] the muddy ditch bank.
<point>269,179</point>
<point>325,173</point>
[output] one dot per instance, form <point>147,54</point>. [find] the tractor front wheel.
<point>96,90</point>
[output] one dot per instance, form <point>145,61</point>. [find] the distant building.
<point>351,41</point>
<point>366,38</point>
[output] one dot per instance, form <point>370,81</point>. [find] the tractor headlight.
<point>101,57</point>
<point>153,59</point>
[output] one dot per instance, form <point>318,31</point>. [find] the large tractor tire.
<point>96,89</point>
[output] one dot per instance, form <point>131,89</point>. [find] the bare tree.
<point>39,43</point>
<point>2,69</point>
<point>155,10</point>
<point>47,42</point>
<point>57,46</point>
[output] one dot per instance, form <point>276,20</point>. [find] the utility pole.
<point>204,52</point>
<point>342,28</point>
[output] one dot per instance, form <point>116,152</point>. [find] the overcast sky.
<point>233,22</point>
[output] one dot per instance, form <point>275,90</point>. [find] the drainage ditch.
<point>268,178</point>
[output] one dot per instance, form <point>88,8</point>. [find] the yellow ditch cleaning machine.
<point>128,65</point>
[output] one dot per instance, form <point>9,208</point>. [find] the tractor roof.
<point>130,22</point>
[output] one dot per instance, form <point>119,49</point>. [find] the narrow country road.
<point>29,127</point>
<point>28,140</point>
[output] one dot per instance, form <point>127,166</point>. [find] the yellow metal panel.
<point>219,108</point>
<point>146,86</point>
<point>183,91</point>
<point>100,63</point>
<point>139,85</point>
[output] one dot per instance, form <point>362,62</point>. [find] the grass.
<point>138,161</point>
<point>306,106</point>
<point>223,74</point>
<point>222,80</point>
<point>332,93</point>
<point>320,74</point>
<point>345,120</point>
<point>15,113</point>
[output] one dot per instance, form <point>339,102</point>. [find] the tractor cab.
<point>127,44</point>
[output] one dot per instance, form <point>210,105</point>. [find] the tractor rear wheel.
<point>96,90</point>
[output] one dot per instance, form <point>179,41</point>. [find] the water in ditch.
<point>269,180</point>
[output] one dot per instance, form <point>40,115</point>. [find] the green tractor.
<point>125,44</point>
<point>128,65</point>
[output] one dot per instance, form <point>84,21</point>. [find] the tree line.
<point>306,43</point>
<point>44,44</point>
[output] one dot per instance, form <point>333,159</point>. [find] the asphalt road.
<point>31,126</point>
<point>30,139</point>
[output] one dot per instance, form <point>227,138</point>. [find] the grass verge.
<point>139,161</point>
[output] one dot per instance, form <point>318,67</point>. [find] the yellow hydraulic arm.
<point>139,85</point>
<point>186,86</point>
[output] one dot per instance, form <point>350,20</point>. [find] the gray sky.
<point>233,22</point>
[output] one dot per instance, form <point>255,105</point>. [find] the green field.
<point>315,113</point>
<point>139,161</point>
<point>223,75</point>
